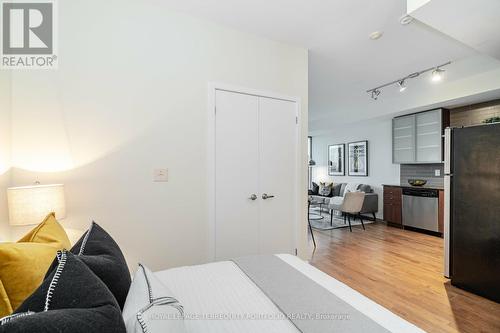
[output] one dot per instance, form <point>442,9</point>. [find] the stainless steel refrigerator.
<point>472,209</point>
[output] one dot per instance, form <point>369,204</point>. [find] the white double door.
<point>256,173</point>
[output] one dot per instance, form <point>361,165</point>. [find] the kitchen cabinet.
<point>429,132</point>
<point>403,139</point>
<point>418,138</point>
<point>393,205</point>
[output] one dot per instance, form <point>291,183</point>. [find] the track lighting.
<point>437,75</point>
<point>375,94</point>
<point>406,19</point>
<point>402,85</point>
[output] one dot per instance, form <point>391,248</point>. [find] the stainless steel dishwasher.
<point>420,208</point>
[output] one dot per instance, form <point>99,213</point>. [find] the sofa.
<point>337,192</point>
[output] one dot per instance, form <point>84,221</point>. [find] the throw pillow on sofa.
<point>351,188</point>
<point>315,189</point>
<point>336,190</point>
<point>151,306</point>
<point>325,189</point>
<point>23,264</point>
<point>72,299</point>
<point>97,249</point>
<point>365,188</point>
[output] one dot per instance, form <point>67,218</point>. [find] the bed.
<point>251,296</point>
<point>89,290</point>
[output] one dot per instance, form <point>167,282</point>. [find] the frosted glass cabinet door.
<point>403,137</point>
<point>429,137</point>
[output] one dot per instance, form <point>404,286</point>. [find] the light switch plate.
<point>160,175</point>
<point>437,172</point>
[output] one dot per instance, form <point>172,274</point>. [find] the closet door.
<point>236,172</point>
<point>277,165</point>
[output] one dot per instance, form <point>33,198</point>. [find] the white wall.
<point>381,171</point>
<point>5,152</point>
<point>130,95</point>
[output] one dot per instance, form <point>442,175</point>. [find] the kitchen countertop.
<point>416,187</point>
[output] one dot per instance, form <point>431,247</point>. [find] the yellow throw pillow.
<point>23,264</point>
<point>5,307</point>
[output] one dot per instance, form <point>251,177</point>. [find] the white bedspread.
<point>219,297</point>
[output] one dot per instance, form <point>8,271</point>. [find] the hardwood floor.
<point>402,271</point>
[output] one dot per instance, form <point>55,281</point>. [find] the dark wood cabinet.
<point>393,197</point>
<point>393,207</point>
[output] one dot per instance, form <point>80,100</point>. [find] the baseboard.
<point>394,225</point>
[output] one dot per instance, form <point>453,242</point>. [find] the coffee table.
<point>315,203</point>
<point>309,220</point>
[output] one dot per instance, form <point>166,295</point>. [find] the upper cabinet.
<point>429,137</point>
<point>403,139</point>
<point>418,138</point>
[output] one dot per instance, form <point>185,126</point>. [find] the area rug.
<point>338,222</point>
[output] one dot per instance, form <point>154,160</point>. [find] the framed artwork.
<point>336,160</point>
<point>358,158</point>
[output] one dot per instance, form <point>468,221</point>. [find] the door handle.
<point>253,197</point>
<point>265,196</point>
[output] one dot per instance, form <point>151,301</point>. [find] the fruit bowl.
<point>417,182</point>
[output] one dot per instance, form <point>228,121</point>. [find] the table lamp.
<point>29,205</point>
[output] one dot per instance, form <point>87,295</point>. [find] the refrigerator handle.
<point>447,151</point>
<point>447,226</point>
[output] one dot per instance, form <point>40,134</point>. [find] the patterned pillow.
<point>325,189</point>
<point>151,307</point>
<point>351,188</point>
<point>71,299</point>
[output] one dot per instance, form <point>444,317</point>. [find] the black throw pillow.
<point>103,256</point>
<point>71,299</point>
<point>315,188</point>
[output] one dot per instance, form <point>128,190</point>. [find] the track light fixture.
<point>437,75</point>
<point>375,94</point>
<point>402,85</point>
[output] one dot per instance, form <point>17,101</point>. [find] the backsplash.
<point>474,114</point>
<point>423,171</point>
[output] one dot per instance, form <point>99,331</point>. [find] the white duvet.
<point>219,297</point>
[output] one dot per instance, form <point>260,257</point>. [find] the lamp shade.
<point>31,204</point>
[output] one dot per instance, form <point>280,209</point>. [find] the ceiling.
<point>344,62</point>
<point>474,23</point>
